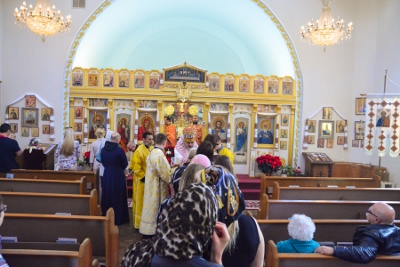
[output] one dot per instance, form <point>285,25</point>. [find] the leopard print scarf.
<point>184,228</point>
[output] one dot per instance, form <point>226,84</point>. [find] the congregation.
<point>191,212</point>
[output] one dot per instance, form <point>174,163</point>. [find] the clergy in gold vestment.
<point>170,131</point>
<point>138,166</point>
<point>158,176</point>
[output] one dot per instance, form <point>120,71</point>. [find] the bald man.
<point>381,236</point>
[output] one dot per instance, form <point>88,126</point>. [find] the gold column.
<point>291,135</point>
<point>71,112</point>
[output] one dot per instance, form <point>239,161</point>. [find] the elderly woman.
<point>34,155</point>
<point>186,226</point>
<point>301,230</point>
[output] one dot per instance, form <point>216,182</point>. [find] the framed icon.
<point>285,120</point>
<point>78,113</point>
<point>14,127</point>
<point>311,126</point>
<point>340,126</point>
<point>311,139</point>
<point>46,113</point>
<point>325,130</point>
<point>13,113</point>
<point>361,105</point>
<point>283,145</point>
<point>329,143</point>
<point>355,143</point>
<point>24,131</point>
<point>78,126</point>
<point>327,113</point>
<point>35,132</point>
<point>321,143</point>
<point>29,117</point>
<point>46,129</point>
<point>30,101</point>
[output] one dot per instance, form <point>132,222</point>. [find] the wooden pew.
<point>326,230</point>
<point>44,186</point>
<point>101,230</point>
<point>36,257</point>
<point>268,181</point>
<point>340,193</point>
<point>317,209</point>
<point>56,175</point>
<point>46,203</point>
<point>275,259</point>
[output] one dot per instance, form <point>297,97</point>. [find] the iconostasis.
<point>251,114</point>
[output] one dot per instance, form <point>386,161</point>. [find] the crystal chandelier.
<point>326,31</point>
<point>43,20</point>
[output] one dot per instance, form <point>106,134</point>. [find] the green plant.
<point>291,171</point>
<point>288,170</point>
<point>80,162</point>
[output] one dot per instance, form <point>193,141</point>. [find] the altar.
<point>252,114</point>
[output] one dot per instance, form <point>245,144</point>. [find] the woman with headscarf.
<point>34,155</point>
<point>186,226</point>
<point>68,151</point>
<point>246,246</point>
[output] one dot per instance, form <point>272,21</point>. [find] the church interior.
<point>240,69</point>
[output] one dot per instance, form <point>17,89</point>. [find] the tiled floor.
<point>127,235</point>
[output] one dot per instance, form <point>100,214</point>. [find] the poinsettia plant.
<point>86,157</point>
<point>268,163</point>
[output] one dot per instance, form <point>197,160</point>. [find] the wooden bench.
<point>340,193</point>
<point>275,259</point>
<point>101,230</point>
<point>91,177</point>
<point>268,181</point>
<point>47,203</point>
<point>317,209</point>
<point>44,186</point>
<point>326,230</point>
<point>51,256</point>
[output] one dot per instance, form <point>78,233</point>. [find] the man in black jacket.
<point>381,236</point>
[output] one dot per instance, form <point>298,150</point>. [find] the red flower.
<point>86,157</point>
<point>268,163</point>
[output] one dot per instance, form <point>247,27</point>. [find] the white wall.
<point>330,79</point>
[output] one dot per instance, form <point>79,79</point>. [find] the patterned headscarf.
<point>33,144</point>
<point>184,229</point>
<point>230,198</point>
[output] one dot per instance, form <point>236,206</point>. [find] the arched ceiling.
<point>220,36</point>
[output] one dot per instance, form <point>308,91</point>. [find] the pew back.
<point>317,209</point>
<point>268,182</point>
<point>44,186</point>
<point>326,230</point>
<point>340,193</point>
<point>56,175</point>
<point>101,230</point>
<point>36,257</point>
<point>275,259</point>
<point>46,203</point>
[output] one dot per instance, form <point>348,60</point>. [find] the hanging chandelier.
<point>326,31</point>
<point>43,20</point>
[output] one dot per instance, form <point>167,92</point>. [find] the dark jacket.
<point>370,240</point>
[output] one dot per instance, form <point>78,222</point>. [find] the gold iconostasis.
<point>251,114</point>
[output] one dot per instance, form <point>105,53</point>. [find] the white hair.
<point>301,227</point>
